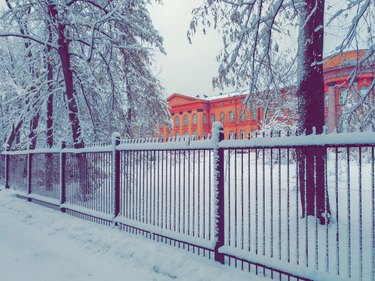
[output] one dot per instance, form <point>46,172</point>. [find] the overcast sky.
<point>187,68</point>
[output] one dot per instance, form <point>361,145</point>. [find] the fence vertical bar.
<point>7,167</point>
<point>62,177</point>
<point>116,174</point>
<point>218,156</point>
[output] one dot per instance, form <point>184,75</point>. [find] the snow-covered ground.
<point>40,244</point>
<point>172,194</point>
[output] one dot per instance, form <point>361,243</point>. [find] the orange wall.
<point>181,107</point>
<point>336,76</point>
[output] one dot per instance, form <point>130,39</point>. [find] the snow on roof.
<point>348,58</point>
<point>222,95</point>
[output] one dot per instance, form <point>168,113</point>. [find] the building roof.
<point>346,59</point>
<point>225,95</point>
<point>349,58</point>
<point>208,98</point>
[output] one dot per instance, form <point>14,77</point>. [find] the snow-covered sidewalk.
<point>40,244</point>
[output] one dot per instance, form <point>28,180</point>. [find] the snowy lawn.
<point>37,244</point>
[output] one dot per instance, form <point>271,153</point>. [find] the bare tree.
<point>252,30</point>
<point>96,66</point>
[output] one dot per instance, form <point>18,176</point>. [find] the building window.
<point>185,120</point>
<point>177,135</point>
<point>343,96</point>
<point>222,117</point>
<point>363,91</point>
<point>243,115</point>
<point>254,115</point>
<point>204,134</point>
<point>213,118</point>
<point>232,135</point>
<point>326,99</point>
<point>231,116</point>
<point>186,134</point>
<point>242,134</point>
<point>195,119</point>
<point>204,118</point>
<point>194,134</point>
<point>177,121</point>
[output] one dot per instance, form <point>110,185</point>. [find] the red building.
<point>340,90</point>
<point>193,116</point>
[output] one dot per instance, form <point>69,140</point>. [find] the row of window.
<point>231,135</point>
<point>232,118</point>
<point>186,120</point>
<point>229,102</point>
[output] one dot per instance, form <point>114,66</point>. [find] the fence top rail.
<point>178,145</point>
<point>327,140</point>
<point>91,149</point>
<point>58,150</point>
<point>173,145</point>
<point>32,151</point>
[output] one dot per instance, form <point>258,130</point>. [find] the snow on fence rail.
<point>244,203</point>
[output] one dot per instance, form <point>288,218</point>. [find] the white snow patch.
<point>38,243</point>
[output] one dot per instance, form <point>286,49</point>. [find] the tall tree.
<point>252,30</point>
<point>97,64</point>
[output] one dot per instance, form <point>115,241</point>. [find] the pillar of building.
<point>331,107</point>
<point>199,123</point>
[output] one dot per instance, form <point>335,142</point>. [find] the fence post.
<point>218,154</point>
<point>62,176</point>
<point>116,174</point>
<point>29,172</point>
<point>6,146</point>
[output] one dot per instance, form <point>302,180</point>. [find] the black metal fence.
<point>169,192</point>
<point>252,204</point>
<point>88,181</point>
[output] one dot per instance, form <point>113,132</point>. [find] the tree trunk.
<point>129,95</point>
<point>50,88</point>
<point>51,173</point>
<point>33,127</point>
<point>128,127</point>
<point>63,51</point>
<point>13,133</point>
<point>311,161</point>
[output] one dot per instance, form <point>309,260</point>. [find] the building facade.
<point>341,91</point>
<point>193,116</point>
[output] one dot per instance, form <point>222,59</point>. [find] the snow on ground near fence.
<point>171,194</point>
<point>41,244</point>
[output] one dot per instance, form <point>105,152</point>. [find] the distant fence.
<point>239,202</point>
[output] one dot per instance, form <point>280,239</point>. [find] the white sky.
<point>187,68</point>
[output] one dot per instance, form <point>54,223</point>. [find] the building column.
<point>199,123</point>
<point>331,116</point>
